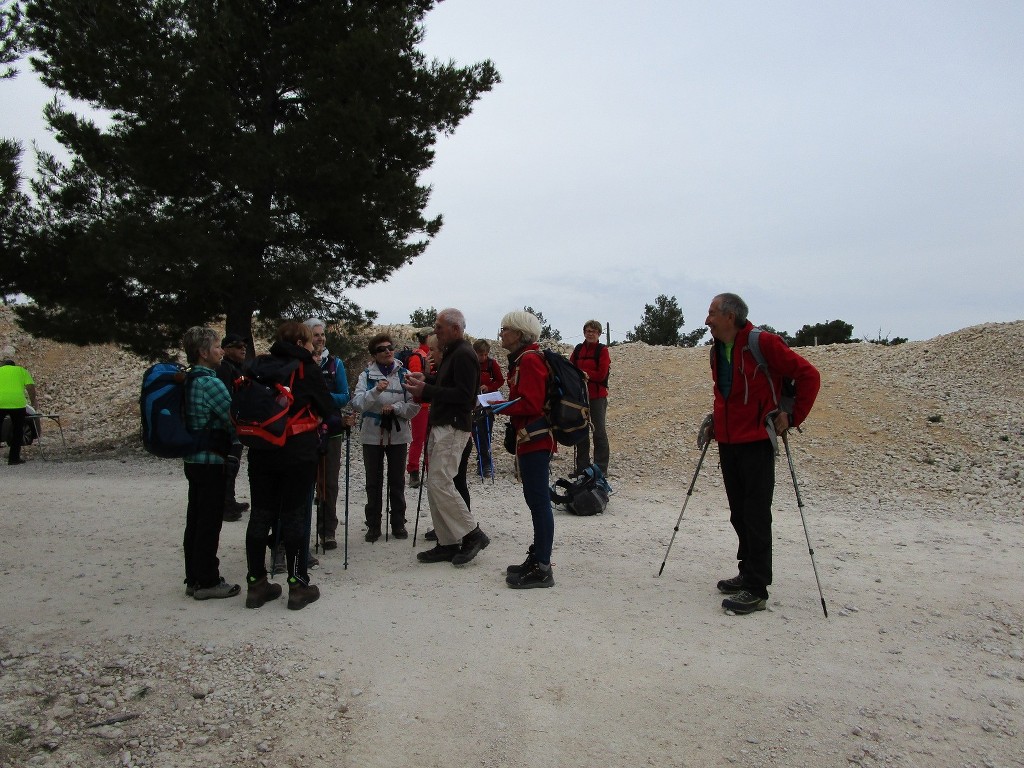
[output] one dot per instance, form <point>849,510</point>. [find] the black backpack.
<point>162,407</point>
<point>585,494</point>
<point>262,401</point>
<point>567,403</point>
<point>405,353</point>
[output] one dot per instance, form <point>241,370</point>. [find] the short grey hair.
<point>198,339</point>
<point>525,322</point>
<point>730,303</point>
<point>313,322</point>
<point>452,317</point>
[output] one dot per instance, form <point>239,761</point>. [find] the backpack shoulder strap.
<point>754,345</point>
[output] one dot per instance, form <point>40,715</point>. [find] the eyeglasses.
<point>380,350</point>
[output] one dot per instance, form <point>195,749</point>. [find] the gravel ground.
<point>910,470</point>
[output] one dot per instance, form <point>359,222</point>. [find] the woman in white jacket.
<point>386,410</point>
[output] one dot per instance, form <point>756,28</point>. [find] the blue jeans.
<point>534,472</point>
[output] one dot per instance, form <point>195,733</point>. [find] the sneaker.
<point>519,570</point>
<point>414,479</point>
<point>430,535</point>
<point>731,586</point>
<point>217,591</point>
<point>300,595</point>
<point>472,543</point>
<point>259,592</point>
<point>442,553</point>
<point>534,578</point>
<point>745,602</point>
<point>372,535</point>
<point>330,544</point>
<point>399,533</point>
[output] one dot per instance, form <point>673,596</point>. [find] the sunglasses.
<point>379,350</point>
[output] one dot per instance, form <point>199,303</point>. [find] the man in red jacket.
<point>746,397</point>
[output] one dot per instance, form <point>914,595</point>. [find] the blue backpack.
<point>162,407</point>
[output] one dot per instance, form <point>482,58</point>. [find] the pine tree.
<point>661,323</point>
<point>261,158</point>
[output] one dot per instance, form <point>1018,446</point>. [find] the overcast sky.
<point>861,161</point>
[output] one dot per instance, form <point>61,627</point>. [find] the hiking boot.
<point>399,533</point>
<point>745,602</point>
<point>442,553</point>
<point>372,535</point>
<point>472,543</point>
<point>414,479</point>
<point>430,535</point>
<point>217,591</point>
<point>190,591</point>
<point>330,544</point>
<point>519,570</point>
<point>312,562</point>
<point>300,595</point>
<point>231,514</point>
<point>536,577</point>
<point>731,586</point>
<point>260,592</point>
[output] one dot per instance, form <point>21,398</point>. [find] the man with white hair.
<point>451,393</point>
<point>336,380</point>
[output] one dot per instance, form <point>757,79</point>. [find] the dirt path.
<point>920,663</point>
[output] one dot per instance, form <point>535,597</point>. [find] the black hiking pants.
<point>748,472</point>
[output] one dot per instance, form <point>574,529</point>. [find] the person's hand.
<point>706,432</point>
<point>387,409</point>
<point>414,383</point>
<point>382,385</point>
<point>782,422</point>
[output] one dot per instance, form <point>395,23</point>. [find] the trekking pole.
<point>423,481</point>
<point>479,457</point>
<point>386,516</point>
<point>800,506</point>
<point>321,503</point>
<point>348,445</point>
<point>490,446</point>
<point>689,493</point>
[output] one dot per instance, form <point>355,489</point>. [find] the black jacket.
<point>451,392</point>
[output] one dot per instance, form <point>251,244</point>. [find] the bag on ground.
<point>584,494</point>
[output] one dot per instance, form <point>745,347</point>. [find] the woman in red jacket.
<point>527,380</point>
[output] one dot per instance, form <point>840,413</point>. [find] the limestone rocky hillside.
<point>943,417</point>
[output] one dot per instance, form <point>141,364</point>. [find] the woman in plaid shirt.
<point>207,407</point>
